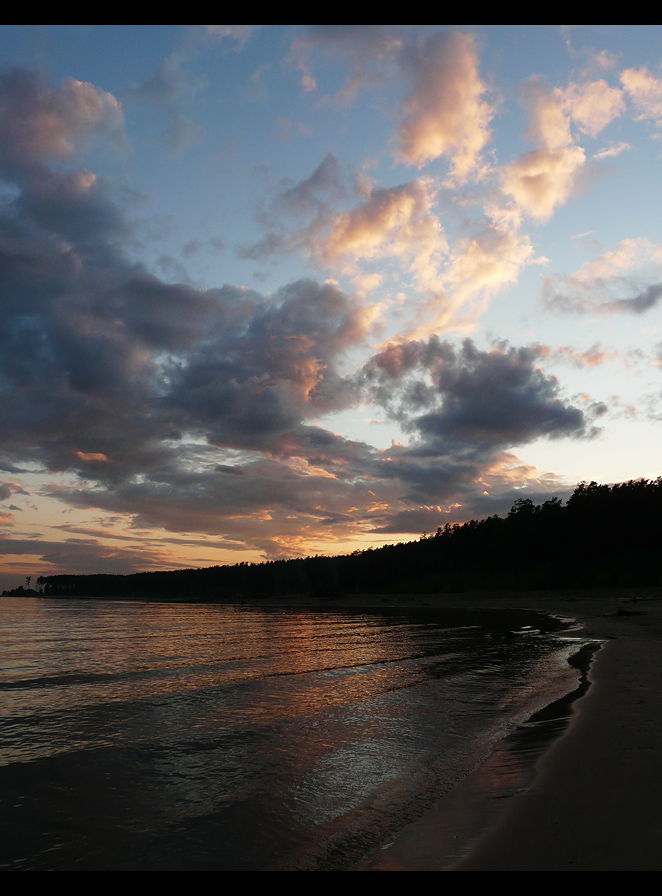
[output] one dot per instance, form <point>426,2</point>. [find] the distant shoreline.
<point>508,599</point>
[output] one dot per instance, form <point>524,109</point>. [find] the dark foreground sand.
<point>596,801</point>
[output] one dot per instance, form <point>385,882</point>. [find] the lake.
<point>142,736</point>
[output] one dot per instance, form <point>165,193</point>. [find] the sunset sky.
<point>278,290</point>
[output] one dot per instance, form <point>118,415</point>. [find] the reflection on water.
<point>161,736</point>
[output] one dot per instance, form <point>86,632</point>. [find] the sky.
<point>270,291</point>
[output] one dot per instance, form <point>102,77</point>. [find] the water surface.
<point>147,736</point>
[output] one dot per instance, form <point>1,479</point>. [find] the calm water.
<point>144,736</point>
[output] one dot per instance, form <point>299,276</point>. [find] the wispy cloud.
<point>624,280</point>
<point>171,91</point>
<point>239,33</point>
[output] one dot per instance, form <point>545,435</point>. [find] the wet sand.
<point>595,802</point>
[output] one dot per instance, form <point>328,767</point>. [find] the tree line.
<point>603,536</point>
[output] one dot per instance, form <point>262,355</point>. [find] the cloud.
<point>394,223</point>
<point>593,105</point>
<point>170,84</point>
<point>239,33</point>
<point>611,152</point>
<point>395,227</point>
<point>252,386</point>
<point>624,280</point>
<point>101,360</point>
<point>595,356</point>
<point>300,211</point>
<point>463,410</point>
<point>92,458</point>
<point>480,399</point>
<point>645,91</point>
<point>207,409</point>
<point>477,267</point>
<point>369,50</point>
<point>541,180</point>
<point>7,489</point>
<point>446,114</point>
<point>276,508</point>
<point>171,91</point>
<point>473,493</point>
<point>116,376</point>
<point>41,123</point>
<point>641,302</point>
<point>84,556</point>
<point>160,396</point>
<point>488,261</point>
<point>308,196</point>
<point>545,178</point>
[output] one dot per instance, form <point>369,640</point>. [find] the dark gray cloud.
<point>642,302</point>
<point>104,368</point>
<point>472,505</point>
<point>622,296</point>
<point>77,207</point>
<point>107,371</point>
<point>464,410</point>
<point>462,395</point>
<point>85,556</point>
<point>254,384</point>
<point>500,399</point>
<point>7,489</point>
<point>266,505</point>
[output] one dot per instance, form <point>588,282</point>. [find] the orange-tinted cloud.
<point>396,223</point>
<point>546,177</point>
<point>477,267</point>
<point>594,356</point>
<point>92,458</point>
<point>446,114</point>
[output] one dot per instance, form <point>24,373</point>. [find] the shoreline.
<point>595,802</point>
<point>448,834</point>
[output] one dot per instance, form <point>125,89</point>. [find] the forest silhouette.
<point>602,537</point>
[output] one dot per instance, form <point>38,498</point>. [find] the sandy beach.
<point>595,802</point>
